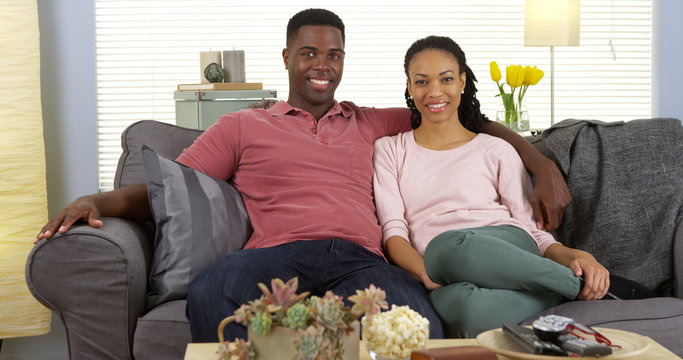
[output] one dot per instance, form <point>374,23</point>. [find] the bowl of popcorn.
<point>394,334</point>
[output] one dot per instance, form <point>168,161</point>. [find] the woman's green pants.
<point>490,276</point>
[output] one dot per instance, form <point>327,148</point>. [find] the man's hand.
<point>550,197</point>
<point>129,202</point>
<point>83,208</point>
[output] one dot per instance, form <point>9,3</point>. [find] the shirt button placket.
<point>323,132</point>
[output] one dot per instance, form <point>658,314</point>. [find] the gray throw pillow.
<point>198,219</point>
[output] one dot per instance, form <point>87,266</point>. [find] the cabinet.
<point>201,109</point>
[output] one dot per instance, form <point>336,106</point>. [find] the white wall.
<point>670,92</point>
<point>69,114</point>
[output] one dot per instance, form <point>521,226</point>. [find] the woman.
<point>453,205</point>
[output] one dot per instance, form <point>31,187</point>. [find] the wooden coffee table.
<point>207,351</point>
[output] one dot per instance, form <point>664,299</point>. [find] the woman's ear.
<point>410,88</point>
<point>463,81</point>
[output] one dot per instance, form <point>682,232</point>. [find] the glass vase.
<point>515,120</point>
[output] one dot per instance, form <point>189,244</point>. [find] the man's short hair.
<point>313,17</point>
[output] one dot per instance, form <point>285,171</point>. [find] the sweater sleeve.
<point>514,188</point>
<point>388,201</point>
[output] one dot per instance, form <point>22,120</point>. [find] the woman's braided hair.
<point>469,111</point>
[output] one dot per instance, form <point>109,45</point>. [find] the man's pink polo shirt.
<point>300,179</point>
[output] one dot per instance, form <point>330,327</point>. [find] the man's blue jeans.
<point>321,265</point>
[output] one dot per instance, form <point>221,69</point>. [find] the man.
<point>304,169</point>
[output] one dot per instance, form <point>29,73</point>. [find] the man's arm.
<point>128,202</point>
<point>550,196</point>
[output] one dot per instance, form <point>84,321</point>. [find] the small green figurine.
<point>214,73</point>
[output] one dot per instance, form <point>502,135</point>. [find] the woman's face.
<point>435,83</point>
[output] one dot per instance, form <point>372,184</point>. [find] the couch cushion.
<point>163,333</point>
<point>659,318</point>
<point>167,139</point>
<point>198,219</point>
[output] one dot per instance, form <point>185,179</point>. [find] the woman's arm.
<point>550,195</point>
<point>596,277</point>
<point>407,258</point>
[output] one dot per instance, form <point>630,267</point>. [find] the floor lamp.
<point>551,23</point>
<point>23,201</point>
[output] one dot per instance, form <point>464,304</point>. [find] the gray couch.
<point>96,280</point>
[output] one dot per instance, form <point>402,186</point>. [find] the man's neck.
<point>318,111</point>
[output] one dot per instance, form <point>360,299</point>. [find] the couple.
<point>304,169</point>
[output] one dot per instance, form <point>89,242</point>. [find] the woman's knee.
<point>449,257</point>
<point>443,249</point>
<point>460,310</point>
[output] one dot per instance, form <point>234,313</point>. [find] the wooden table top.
<point>207,351</point>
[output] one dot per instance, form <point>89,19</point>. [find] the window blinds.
<point>146,48</point>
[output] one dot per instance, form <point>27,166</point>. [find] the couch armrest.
<point>95,280</point>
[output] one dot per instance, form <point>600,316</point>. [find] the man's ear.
<point>285,57</point>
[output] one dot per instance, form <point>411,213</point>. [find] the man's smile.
<point>320,83</point>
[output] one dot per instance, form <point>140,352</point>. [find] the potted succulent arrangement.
<point>285,325</point>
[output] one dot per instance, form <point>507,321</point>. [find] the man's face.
<point>315,61</point>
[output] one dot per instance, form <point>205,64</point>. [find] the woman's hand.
<point>407,258</point>
<point>582,263</point>
<point>596,276</point>
<point>428,283</point>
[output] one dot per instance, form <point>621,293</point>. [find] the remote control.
<point>549,327</point>
<point>526,338</point>
<point>583,347</point>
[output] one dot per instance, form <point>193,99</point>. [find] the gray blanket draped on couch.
<point>627,197</point>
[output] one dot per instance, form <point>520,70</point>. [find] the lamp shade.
<point>23,194</point>
<point>551,22</point>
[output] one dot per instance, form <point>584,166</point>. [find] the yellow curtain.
<point>23,194</point>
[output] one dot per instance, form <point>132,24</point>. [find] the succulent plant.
<point>311,343</point>
<point>329,311</point>
<point>369,301</point>
<point>237,350</point>
<point>261,324</point>
<point>283,295</point>
<point>321,322</point>
<point>298,317</point>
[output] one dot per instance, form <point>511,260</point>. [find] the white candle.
<point>233,66</point>
<point>206,58</point>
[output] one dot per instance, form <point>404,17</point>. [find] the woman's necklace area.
<point>445,144</point>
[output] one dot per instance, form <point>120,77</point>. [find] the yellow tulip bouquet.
<point>516,76</point>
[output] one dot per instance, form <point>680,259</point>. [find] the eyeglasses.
<point>550,327</point>
<point>587,330</point>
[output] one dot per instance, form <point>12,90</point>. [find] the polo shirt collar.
<point>283,108</point>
